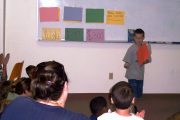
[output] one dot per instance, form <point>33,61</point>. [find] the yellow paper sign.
<point>115,17</point>
<point>51,33</point>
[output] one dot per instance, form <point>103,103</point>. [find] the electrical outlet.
<point>110,76</point>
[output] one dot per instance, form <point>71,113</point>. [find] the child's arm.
<point>126,65</point>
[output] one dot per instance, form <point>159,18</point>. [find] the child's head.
<point>5,88</point>
<point>98,105</point>
<point>31,71</point>
<point>23,87</point>
<point>175,116</point>
<point>122,95</point>
<point>139,36</point>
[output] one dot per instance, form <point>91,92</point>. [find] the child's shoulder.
<point>136,117</point>
<point>115,116</point>
<point>106,116</point>
<point>133,48</point>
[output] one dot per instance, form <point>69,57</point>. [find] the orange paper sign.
<point>142,54</point>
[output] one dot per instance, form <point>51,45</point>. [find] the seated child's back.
<point>122,96</point>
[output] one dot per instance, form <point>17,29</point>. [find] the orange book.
<point>142,54</point>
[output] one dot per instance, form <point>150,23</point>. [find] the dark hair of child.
<point>97,104</point>
<point>175,116</point>
<point>139,31</point>
<point>31,71</point>
<point>22,85</point>
<point>122,95</point>
<point>5,88</point>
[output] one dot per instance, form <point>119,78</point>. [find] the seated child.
<point>23,86</point>
<point>31,71</point>
<point>98,106</point>
<point>122,96</point>
<point>7,90</point>
<point>175,116</point>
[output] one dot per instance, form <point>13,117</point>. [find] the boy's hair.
<point>139,31</point>
<point>22,85</point>
<point>122,95</point>
<point>175,116</point>
<point>97,104</point>
<point>5,88</point>
<point>30,69</point>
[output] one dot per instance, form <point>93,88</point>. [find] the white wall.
<point>87,64</point>
<point>1,26</point>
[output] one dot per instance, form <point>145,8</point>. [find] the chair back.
<point>16,72</point>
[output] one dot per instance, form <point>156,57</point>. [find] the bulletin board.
<point>158,18</point>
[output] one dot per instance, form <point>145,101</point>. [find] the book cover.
<point>130,35</point>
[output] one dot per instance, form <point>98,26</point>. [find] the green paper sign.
<point>94,15</point>
<point>74,34</point>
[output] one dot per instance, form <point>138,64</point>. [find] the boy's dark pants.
<point>137,86</point>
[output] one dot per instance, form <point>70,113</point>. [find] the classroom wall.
<point>87,64</point>
<point>1,26</point>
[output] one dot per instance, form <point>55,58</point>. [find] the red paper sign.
<point>49,14</point>
<point>142,54</point>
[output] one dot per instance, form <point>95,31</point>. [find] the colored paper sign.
<point>51,33</point>
<point>142,54</point>
<point>115,17</point>
<point>94,15</point>
<point>95,35</point>
<point>48,14</point>
<point>72,14</point>
<point>74,34</point>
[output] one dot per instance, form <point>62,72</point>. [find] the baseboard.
<point>160,95</point>
<point>106,95</point>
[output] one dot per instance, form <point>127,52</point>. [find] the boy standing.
<point>122,97</point>
<point>134,72</point>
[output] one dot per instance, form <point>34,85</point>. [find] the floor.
<point>157,106</point>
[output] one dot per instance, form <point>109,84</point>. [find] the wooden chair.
<point>16,72</point>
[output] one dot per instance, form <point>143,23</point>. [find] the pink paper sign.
<point>95,35</point>
<point>49,14</point>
